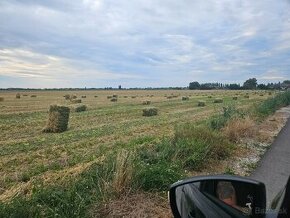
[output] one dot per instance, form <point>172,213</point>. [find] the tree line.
<point>248,84</point>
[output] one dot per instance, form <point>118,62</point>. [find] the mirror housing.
<point>218,196</point>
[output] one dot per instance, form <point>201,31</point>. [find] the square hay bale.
<point>17,95</point>
<point>57,119</point>
<point>1,99</point>
<point>218,100</point>
<point>146,102</point>
<point>114,99</point>
<point>80,108</point>
<point>185,98</point>
<point>201,104</point>
<point>33,96</point>
<point>83,96</point>
<point>76,101</point>
<point>151,111</point>
<point>67,97</point>
<point>235,98</point>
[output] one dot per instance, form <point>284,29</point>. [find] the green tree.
<point>250,83</point>
<point>194,85</point>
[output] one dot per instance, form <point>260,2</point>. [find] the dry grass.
<point>140,205</point>
<point>238,128</point>
<point>123,171</point>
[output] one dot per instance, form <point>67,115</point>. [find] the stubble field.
<point>27,153</point>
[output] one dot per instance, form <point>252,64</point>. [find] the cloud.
<point>142,43</point>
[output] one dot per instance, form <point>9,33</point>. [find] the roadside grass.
<point>270,105</point>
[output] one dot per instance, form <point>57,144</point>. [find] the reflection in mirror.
<point>217,198</point>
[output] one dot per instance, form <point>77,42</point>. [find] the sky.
<point>142,43</point>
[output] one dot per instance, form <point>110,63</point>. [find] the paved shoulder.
<point>274,167</point>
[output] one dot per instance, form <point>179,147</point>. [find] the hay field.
<point>27,153</point>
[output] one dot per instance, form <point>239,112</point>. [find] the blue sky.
<point>99,43</point>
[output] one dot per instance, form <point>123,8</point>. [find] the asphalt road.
<point>274,168</point>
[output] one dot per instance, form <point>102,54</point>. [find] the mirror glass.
<point>218,198</point>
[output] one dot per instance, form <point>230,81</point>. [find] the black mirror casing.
<point>217,211</point>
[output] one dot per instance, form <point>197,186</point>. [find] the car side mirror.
<point>218,196</point>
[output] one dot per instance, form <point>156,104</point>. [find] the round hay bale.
<point>209,96</point>
<point>83,96</point>
<point>269,93</point>
<point>33,96</point>
<point>76,101</point>
<point>114,99</point>
<point>1,99</point>
<point>24,95</point>
<point>133,96</point>
<point>17,95</point>
<point>57,119</point>
<point>115,96</point>
<point>235,98</point>
<point>148,112</point>
<point>109,97</point>
<point>80,108</point>
<point>246,96</point>
<point>169,97</point>
<point>185,98</point>
<point>125,96</point>
<point>218,100</point>
<point>96,96</point>
<point>201,104</point>
<point>146,102</point>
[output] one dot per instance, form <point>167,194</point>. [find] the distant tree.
<point>234,86</point>
<point>250,83</point>
<point>262,86</point>
<point>120,87</point>
<point>194,85</point>
<point>286,82</point>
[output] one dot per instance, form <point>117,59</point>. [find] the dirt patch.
<point>140,205</point>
